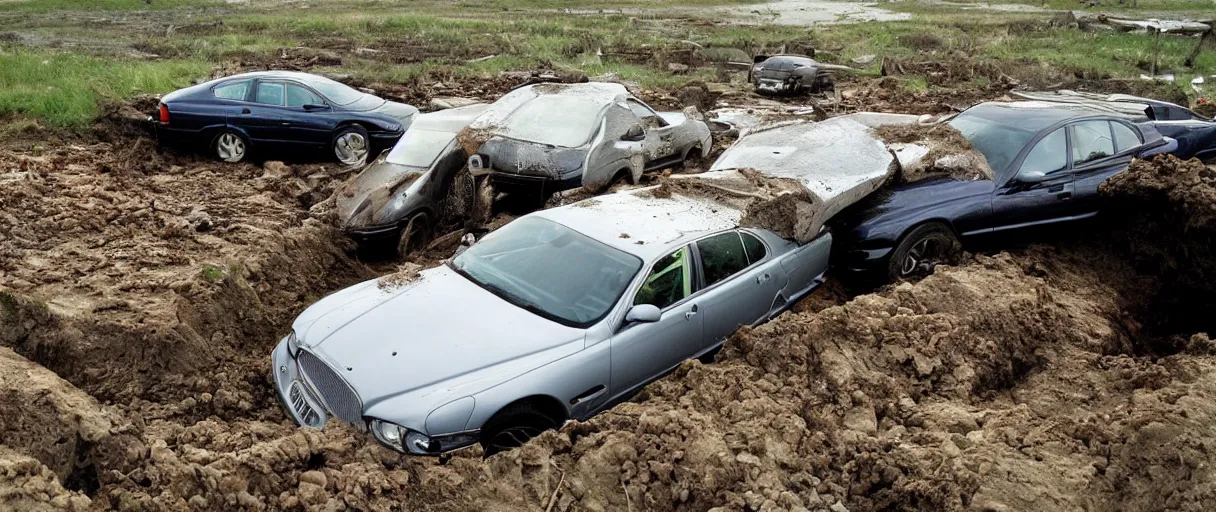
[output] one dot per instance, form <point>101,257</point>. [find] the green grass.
<point>99,5</point>
<point>66,90</point>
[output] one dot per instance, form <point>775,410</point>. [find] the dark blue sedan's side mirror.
<point>312,107</point>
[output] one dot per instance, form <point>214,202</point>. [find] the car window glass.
<point>235,91</point>
<point>1091,140</point>
<point>648,116</point>
<point>1049,154</point>
<point>721,256</point>
<point>1125,137</point>
<point>270,93</point>
<point>754,247</point>
<point>298,97</point>
<point>670,280</point>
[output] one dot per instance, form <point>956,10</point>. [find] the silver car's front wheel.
<point>351,146</point>
<point>230,147</point>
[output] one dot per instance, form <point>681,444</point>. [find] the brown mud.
<point>141,292</point>
<point>949,153</point>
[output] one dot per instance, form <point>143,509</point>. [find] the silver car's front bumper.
<point>297,397</point>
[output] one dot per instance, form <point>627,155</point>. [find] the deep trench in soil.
<point>143,291</point>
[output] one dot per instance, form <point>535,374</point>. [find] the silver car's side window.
<point>649,117</point>
<point>722,256</point>
<point>754,247</point>
<point>669,282</point>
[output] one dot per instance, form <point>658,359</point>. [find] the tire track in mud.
<point>1026,380</point>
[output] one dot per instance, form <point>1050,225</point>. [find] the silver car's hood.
<point>386,341</point>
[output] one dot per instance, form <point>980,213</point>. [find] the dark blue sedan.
<point>1047,160</point>
<point>282,111</point>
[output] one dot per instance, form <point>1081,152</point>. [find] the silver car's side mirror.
<point>644,313</point>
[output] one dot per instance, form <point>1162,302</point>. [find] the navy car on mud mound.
<point>281,111</point>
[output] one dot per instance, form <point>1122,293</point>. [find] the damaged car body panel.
<point>578,307</point>
<point>1047,162</point>
<point>546,138</point>
<point>408,181</point>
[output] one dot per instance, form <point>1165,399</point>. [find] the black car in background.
<point>281,111</point>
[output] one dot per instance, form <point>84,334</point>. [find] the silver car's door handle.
<point>688,315</point>
<point>762,278</point>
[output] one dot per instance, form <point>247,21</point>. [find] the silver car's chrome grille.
<point>338,396</point>
<point>300,405</point>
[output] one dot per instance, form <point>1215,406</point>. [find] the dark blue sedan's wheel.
<point>231,147</point>
<point>352,145</point>
<point>922,249</point>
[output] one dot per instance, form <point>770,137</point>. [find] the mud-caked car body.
<point>401,196</point>
<point>281,111</point>
<point>546,138</point>
<point>792,74</point>
<point>557,315</point>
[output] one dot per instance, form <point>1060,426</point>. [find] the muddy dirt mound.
<point>933,151</point>
<point>1163,212</point>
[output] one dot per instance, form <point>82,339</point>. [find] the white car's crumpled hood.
<point>390,340</point>
<point>839,160</point>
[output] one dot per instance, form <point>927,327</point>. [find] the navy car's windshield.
<point>336,92</point>
<point>999,143</point>
<point>550,270</point>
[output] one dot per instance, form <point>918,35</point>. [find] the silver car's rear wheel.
<point>352,145</point>
<point>230,147</point>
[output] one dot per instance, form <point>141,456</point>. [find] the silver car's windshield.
<point>550,270</point>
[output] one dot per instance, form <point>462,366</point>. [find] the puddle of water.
<point>815,12</point>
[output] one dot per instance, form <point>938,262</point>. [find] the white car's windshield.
<point>420,148</point>
<point>562,121</point>
<point>550,270</point>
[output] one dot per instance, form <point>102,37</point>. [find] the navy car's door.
<point>1041,188</point>
<point>1124,143</point>
<point>738,290</point>
<point>643,351</point>
<point>263,118</point>
<point>310,117</point>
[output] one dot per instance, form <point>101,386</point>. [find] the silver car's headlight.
<point>405,440</point>
<point>293,344</point>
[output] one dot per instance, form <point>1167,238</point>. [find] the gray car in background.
<point>546,138</point>
<point>401,196</point>
<point>555,316</point>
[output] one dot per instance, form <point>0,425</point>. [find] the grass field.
<point>59,62</point>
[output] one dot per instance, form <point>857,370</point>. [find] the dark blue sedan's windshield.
<point>336,92</point>
<point>549,269</point>
<point>999,143</point>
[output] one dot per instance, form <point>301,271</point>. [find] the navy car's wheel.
<point>352,145</point>
<point>414,236</point>
<point>230,147</point>
<point>513,426</point>
<point>921,250</point>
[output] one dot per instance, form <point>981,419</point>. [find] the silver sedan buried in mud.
<point>558,315</point>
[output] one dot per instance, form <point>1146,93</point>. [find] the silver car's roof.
<point>637,222</point>
<point>597,93</point>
